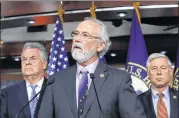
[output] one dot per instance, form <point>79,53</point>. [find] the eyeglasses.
<point>84,35</point>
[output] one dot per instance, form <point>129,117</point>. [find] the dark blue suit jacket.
<point>13,98</point>
<point>146,100</point>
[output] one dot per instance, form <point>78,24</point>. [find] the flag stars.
<point>57,45</point>
<point>58,59</point>
<point>61,56</point>
<point>66,59</point>
<point>55,52</point>
<point>60,31</point>
<point>59,39</point>
<point>64,66</point>
<point>59,63</point>
<point>62,49</point>
<point>54,59</point>
<point>51,73</point>
<point>57,22</point>
<point>52,66</point>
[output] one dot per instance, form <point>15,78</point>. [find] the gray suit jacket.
<point>116,95</point>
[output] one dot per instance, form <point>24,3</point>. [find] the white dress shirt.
<point>166,99</point>
<point>90,68</point>
<point>29,89</point>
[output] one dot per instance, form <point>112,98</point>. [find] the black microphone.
<point>43,88</point>
<point>92,77</point>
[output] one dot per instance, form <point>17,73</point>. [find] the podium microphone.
<point>43,88</point>
<point>92,77</point>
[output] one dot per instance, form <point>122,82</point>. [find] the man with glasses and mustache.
<point>73,94</point>
<point>160,101</point>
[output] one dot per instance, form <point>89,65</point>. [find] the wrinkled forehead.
<point>89,26</point>
<point>30,52</point>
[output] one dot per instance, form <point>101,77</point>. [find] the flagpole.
<point>92,10</point>
<point>61,11</point>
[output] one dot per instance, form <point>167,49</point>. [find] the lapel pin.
<point>101,75</point>
<point>174,97</point>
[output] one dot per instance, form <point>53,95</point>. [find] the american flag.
<point>58,59</point>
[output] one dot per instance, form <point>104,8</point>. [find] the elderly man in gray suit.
<point>74,94</point>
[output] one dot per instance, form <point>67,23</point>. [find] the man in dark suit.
<point>160,101</point>
<point>14,98</point>
<point>72,95</point>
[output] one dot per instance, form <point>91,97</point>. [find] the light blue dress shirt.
<point>166,99</point>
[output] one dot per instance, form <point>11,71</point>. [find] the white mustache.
<point>77,45</point>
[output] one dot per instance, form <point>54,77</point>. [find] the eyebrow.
<point>30,57</point>
<point>81,32</point>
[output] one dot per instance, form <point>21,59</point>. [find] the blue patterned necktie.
<point>33,103</point>
<point>82,90</point>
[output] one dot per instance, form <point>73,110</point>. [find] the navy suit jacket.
<point>146,100</point>
<point>13,98</point>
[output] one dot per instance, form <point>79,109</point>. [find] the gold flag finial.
<point>136,7</point>
<point>92,10</point>
<point>61,11</point>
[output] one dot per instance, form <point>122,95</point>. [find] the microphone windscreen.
<point>92,75</point>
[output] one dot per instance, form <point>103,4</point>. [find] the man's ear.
<point>44,64</point>
<point>171,72</point>
<point>101,46</point>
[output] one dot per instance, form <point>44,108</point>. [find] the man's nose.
<point>78,38</point>
<point>158,72</point>
<point>28,62</point>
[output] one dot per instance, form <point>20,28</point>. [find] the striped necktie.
<point>82,90</point>
<point>161,108</point>
<point>33,103</point>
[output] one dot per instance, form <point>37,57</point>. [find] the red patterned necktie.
<point>161,108</point>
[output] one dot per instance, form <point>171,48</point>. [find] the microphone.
<point>92,76</point>
<point>42,89</point>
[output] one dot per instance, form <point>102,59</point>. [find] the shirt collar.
<point>165,92</point>
<point>39,83</point>
<point>90,68</point>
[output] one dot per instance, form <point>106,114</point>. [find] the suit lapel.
<point>40,98</point>
<point>149,104</point>
<point>100,76</point>
<point>173,104</point>
<point>70,84</point>
<point>23,98</point>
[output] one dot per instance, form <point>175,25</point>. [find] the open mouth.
<point>77,47</point>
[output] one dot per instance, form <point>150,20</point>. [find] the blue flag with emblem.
<point>58,59</point>
<point>103,59</point>
<point>176,75</point>
<point>137,57</point>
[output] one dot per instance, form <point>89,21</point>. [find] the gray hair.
<point>43,52</point>
<point>158,55</point>
<point>103,36</point>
